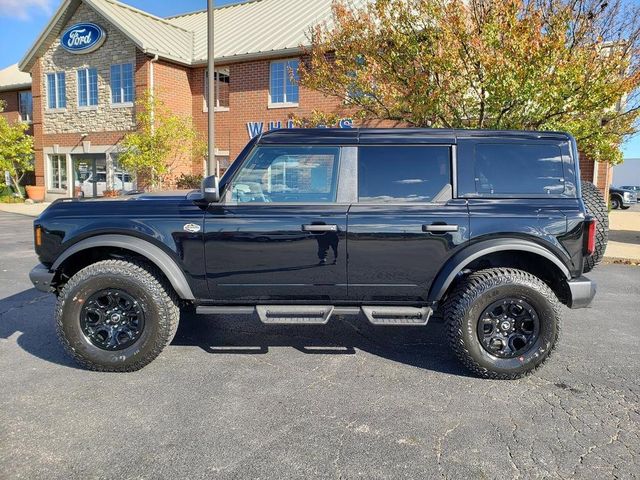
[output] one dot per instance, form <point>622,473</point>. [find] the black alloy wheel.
<point>111,319</point>
<point>508,327</point>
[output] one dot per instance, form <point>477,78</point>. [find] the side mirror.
<point>210,189</point>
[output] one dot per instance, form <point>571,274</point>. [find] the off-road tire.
<point>157,299</point>
<point>596,207</point>
<point>463,308</point>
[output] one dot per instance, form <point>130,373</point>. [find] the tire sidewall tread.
<point>470,297</point>
<point>156,298</point>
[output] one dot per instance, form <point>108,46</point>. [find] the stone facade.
<point>116,49</point>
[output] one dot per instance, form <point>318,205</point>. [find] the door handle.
<point>439,228</point>
<point>319,228</point>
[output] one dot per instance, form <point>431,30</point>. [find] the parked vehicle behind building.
<point>633,188</point>
<point>487,228</point>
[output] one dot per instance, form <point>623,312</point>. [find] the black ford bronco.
<point>492,230</point>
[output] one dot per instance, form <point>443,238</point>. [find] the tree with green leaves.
<point>16,150</point>
<point>570,65</point>
<point>161,140</point>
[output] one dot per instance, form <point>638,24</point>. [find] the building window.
<point>283,83</point>
<point>56,91</point>
<point>25,106</point>
<point>57,172</point>
<point>221,89</point>
<point>88,87</point>
<point>122,87</point>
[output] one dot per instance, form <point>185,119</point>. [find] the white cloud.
<point>24,9</point>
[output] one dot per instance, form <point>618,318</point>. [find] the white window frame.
<point>133,76</point>
<point>56,91</point>
<point>284,104</point>
<point>205,95</point>
<point>87,89</point>
<point>62,160</point>
<point>29,116</point>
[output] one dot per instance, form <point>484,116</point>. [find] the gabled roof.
<point>252,28</point>
<point>13,79</point>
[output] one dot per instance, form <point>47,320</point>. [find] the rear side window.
<point>516,168</point>
<point>403,174</point>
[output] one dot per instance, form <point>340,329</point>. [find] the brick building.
<point>96,57</point>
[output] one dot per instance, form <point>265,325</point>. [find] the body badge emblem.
<point>191,228</point>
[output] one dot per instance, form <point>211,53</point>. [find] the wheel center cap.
<point>506,325</point>
<point>115,317</point>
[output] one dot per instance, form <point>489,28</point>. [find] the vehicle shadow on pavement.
<point>423,347</point>
<point>625,236</point>
<point>29,314</point>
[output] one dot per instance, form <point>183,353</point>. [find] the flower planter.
<point>35,193</point>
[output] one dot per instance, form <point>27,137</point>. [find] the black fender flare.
<point>152,252</point>
<point>463,258</point>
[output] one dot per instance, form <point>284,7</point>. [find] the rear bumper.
<point>41,278</point>
<point>582,292</point>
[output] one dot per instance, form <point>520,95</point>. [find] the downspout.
<point>151,91</point>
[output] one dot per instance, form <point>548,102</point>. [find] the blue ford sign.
<point>83,38</point>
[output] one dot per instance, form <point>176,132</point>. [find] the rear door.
<point>279,234</point>
<point>405,224</point>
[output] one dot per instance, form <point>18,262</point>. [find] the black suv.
<point>487,228</point>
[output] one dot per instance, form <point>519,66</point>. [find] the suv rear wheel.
<point>503,323</point>
<point>116,315</point>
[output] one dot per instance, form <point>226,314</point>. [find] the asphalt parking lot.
<point>231,398</point>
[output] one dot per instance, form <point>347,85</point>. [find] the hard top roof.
<point>346,136</point>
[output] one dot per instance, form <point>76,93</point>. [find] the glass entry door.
<point>90,175</point>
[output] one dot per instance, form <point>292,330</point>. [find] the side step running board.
<point>294,314</point>
<point>397,315</point>
<point>320,314</point>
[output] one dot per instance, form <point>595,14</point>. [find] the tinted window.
<point>518,169</point>
<point>288,174</point>
<point>402,174</point>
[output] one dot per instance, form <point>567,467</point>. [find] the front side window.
<point>514,169</point>
<point>56,91</point>
<point>122,86</point>
<point>25,106</point>
<point>87,87</point>
<point>283,83</point>
<point>410,174</point>
<point>57,172</point>
<point>292,174</point>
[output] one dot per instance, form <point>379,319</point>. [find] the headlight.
<point>627,196</point>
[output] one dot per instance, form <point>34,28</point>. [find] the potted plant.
<point>35,192</point>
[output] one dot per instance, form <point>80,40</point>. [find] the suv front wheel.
<point>116,315</point>
<point>502,323</point>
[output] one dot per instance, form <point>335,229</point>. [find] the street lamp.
<point>212,164</point>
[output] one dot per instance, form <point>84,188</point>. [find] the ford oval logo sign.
<point>83,38</point>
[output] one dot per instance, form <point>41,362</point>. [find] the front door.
<point>405,224</point>
<point>90,175</point>
<point>279,233</point>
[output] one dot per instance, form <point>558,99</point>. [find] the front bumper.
<point>41,278</point>
<point>582,292</point>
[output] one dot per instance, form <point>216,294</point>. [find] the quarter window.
<point>283,84</point>
<point>403,174</point>
<point>511,169</point>
<point>288,175</point>
<point>122,87</point>
<point>25,106</point>
<point>56,91</point>
<point>57,172</point>
<point>88,87</point>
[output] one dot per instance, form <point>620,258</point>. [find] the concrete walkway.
<point>30,210</point>
<point>624,235</point>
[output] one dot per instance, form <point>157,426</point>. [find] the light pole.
<point>212,164</point>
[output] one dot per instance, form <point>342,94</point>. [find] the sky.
<point>21,21</point>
